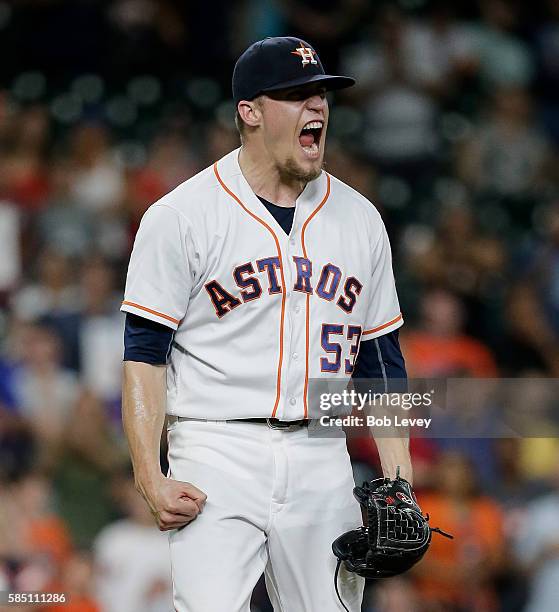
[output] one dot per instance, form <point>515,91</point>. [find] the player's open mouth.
<point>309,138</point>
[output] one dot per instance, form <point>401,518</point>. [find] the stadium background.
<point>452,132</point>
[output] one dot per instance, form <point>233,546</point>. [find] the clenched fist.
<point>173,503</point>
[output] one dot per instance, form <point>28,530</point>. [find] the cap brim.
<point>330,82</point>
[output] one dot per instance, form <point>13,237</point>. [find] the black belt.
<point>273,423</point>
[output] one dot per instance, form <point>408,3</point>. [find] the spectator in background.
<point>63,226</point>
<point>54,300</point>
<point>98,181</point>
<point>170,160</point>
<point>440,50</point>
<point>221,139</point>
<point>54,291</point>
<point>530,406</point>
<point>98,185</point>
<point>462,258</point>
<point>504,59</point>
<point>533,307</point>
<point>542,273</point>
<point>34,540</point>
<point>394,595</point>
<point>537,549</point>
<point>531,342</point>
<point>507,155</point>
<point>92,452</point>
<point>353,168</point>
<point>513,488</point>
<point>45,393</point>
<point>438,347</point>
<point>398,90</point>
<point>76,582</point>
<point>458,574</point>
<point>100,331</point>
<point>23,175</point>
<point>88,322</point>
<point>132,557</point>
<point>514,485</point>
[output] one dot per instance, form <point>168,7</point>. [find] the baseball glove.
<point>397,534</point>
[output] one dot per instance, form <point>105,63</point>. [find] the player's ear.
<point>250,112</point>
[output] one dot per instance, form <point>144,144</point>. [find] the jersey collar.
<point>311,197</point>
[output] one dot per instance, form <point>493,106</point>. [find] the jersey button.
<point>292,241</point>
<point>293,401</point>
<point>295,356</point>
<point>297,309</point>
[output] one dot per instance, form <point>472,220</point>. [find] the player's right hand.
<point>174,504</point>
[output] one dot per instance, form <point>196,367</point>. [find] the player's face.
<point>294,130</point>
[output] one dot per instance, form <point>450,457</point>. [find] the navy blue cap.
<point>279,63</point>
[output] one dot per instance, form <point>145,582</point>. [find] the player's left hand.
<point>397,534</point>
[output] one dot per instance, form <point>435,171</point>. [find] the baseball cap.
<point>279,63</point>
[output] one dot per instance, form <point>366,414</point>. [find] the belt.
<point>272,423</point>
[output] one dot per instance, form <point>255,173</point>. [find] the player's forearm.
<point>143,415</point>
<point>394,453</point>
<point>393,443</point>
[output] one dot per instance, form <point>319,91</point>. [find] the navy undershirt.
<point>282,214</point>
<point>380,359</point>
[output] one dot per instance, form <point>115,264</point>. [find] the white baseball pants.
<point>277,500</point>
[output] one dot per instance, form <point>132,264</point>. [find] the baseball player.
<point>249,280</point>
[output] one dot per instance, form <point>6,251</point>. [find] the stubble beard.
<point>290,172</point>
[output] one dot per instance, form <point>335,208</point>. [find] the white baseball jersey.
<point>257,312</point>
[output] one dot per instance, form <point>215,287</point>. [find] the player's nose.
<point>317,102</point>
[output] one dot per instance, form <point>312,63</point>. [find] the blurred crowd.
<point>452,131</point>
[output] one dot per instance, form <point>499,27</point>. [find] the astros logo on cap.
<point>306,53</point>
